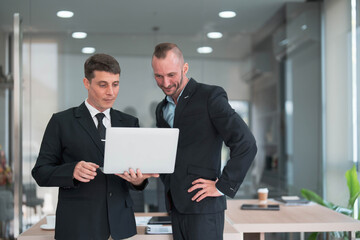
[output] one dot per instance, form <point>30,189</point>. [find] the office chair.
<point>29,197</point>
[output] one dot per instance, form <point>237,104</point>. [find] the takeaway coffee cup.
<point>263,195</point>
<point>50,220</point>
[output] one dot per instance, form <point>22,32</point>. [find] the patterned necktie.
<point>101,128</point>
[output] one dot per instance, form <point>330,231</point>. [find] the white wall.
<point>40,101</point>
<point>137,85</point>
<point>338,104</point>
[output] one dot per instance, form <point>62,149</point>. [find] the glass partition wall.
<point>287,125</point>
<point>11,130</point>
<point>271,70</point>
<point>6,159</point>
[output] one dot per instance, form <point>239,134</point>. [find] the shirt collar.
<point>93,111</point>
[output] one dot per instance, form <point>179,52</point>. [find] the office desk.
<point>36,233</point>
<point>308,218</point>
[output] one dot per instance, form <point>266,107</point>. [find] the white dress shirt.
<point>93,111</point>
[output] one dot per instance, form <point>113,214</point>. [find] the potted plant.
<point>5,170</point>
<point>354,192</point>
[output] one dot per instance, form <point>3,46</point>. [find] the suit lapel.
<point>160,121</point>
<point>85,120</point>
<point>116,120</point>
<point>184,99</point>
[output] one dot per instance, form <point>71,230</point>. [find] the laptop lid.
<point>152,150</point>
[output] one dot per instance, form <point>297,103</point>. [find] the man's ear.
<point>185,68</point>
<point>86,83</point>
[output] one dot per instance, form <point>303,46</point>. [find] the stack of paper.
<point>142,221</point>
<point>292,200</point>
<point>158,229</point>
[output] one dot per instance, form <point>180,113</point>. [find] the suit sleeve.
<point>49,170</point>
<point>237,136</point>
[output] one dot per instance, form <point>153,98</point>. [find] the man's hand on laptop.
<point>136,178</point>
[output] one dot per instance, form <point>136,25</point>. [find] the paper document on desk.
<point>292,200</point>
<point>142,221</point>
<point>158,229</point>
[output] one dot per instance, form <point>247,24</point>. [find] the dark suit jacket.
<point>85,210</point>
<point>205,120</point>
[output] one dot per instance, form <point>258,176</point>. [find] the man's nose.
<point>110,90</point>
<point>166,82</point>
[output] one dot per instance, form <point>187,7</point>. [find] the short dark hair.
<point>162,49</point>
<point>100,62</point>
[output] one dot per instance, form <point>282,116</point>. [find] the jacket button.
<point>110,194</point>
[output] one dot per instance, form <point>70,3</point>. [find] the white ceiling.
<point>126,26</point>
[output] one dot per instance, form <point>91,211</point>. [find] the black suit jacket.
<point>90,210</point>
<point>205,119</point>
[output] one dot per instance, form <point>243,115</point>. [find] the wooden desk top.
<point>307,218</point>
<point>36,233</point>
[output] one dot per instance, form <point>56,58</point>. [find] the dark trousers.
<point>197,226</point>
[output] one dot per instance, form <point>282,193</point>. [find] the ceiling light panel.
<point>227,14</point>
<point>204,50</point>
<point>88,50</point>
<point>79,35</point>
<point>64,14</point>
<point>214,35</point>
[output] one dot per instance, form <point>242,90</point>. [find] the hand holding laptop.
<point>136,178</point>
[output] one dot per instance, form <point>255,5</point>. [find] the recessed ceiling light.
<point>65,14</point>
<point>214,35</point>
<point>204,50</point>
<point>227,14</point>
<point>79,35</point>
<point>88,50</point>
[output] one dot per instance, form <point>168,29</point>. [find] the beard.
<point>178,88</point>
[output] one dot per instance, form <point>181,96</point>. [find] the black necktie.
<point>101,128</point>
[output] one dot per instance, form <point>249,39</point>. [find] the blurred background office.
<point>289,68</point>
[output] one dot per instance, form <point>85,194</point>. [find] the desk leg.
<point>262,236</point>
<point>302,236</point>
<point>254,236</point>
<point>353,233</point>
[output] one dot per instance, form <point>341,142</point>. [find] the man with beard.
<point>196,191</point>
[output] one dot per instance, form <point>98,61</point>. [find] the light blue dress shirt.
<point>169,110</point>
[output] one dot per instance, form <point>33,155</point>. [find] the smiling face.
<point>170,74</point>
<point>103,89</point>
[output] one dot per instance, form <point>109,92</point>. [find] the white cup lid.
<point>263,190</point>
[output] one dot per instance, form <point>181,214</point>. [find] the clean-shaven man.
<point>91,204</point>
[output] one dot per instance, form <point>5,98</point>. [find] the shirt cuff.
<point>220,192</point>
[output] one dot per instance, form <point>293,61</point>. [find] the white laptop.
<point>152,150</point>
